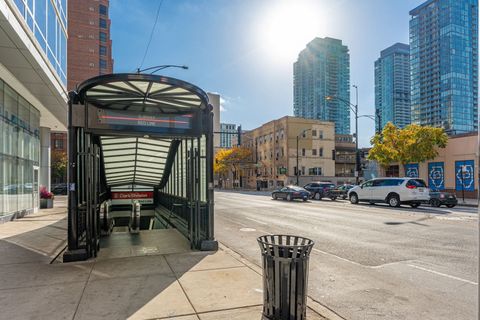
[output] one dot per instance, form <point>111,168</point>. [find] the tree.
<point>413,143</point>
<point>227,160</point>
<point>59,164</point>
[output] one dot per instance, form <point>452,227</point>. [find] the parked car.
<point>290,193</point>
<point>438,199</point>
<point>341,191</point>
<point>60,189</point>
<point>393,191</point>
<point>319,190</point>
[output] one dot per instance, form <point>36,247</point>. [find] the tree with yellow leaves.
<point>411,144</point>
<point>227,160</point>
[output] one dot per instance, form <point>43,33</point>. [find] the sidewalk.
<point>183,286</point>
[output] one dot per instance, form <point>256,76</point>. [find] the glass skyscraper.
<point>444,64</point>
<point>392,86</point>
<point>323,69</point>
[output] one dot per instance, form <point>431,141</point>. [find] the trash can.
<point>285,276</point>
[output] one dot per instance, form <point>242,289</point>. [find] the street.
<point>368,261</point>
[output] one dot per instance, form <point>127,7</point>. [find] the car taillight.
<point>411,187</point>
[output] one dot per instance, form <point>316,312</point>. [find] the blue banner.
<point>411,170</point>
<point>436,176</point>
<point>464,175</point>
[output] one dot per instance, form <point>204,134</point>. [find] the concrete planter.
<point>46,203</point>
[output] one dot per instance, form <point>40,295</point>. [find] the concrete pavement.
<point>369,262</point>
<point>182,286</point>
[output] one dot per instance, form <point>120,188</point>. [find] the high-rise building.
<point>227,131</point>
<point>322,70</point>
<point>392,86</point>
<point>33,98</point>
<point>89,44</point>
<point>444,64</point>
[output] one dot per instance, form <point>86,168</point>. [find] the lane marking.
<point>338,257</point>
<point>254,220</point>
<point>443,274</point>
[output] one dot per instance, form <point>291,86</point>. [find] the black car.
<point>60,189</point>
<point>290,193</point>
<point>320,190</point>
<point>443,198</point>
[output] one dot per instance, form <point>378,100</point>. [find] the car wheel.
<point>393,200</point>
<point>353,198</point>
<point>318,196</point>
<point>435,203</point>
<point>414,205</point>
<point>450,205</point>
<point>344,197</point>
<point>333,198</point>
<point>289,197</point>
<point>305,199</point>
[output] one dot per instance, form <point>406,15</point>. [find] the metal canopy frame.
<point>133,156</point>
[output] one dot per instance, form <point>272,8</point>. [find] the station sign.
<point>411,170</point>
<point>126,197</point>
<point>464,175</point>
<point>436,176</point>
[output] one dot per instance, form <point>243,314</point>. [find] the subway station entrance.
<point>140,165</point>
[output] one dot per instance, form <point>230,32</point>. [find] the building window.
<point>58,144</point>
<point>320,152</point>
<point>102,9</point>
<point>103,50</point>
<point>103,23</point>
<point>303,152</point>
<point>314,152</point>
<point>320,134</point>
<point>315,171</point>
<point>103,37</point>
<point>103,64</point>
<point>314,133</point>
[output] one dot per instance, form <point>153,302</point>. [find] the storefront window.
<point>19,151</point>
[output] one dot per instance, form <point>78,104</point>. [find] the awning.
<point>142,93</point>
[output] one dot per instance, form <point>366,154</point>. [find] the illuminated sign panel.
<point>185,124</point>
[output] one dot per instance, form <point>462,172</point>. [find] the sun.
<point>287,27</point>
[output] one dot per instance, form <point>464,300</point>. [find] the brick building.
<point>89,44</point>
<point>89,51</point>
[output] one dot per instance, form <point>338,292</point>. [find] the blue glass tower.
<point>392,86</point>
<point>323,69</point>
<point>444,64</point>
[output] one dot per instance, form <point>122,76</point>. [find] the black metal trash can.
<point>285,276</point>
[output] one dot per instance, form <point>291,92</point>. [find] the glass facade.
<point>19,152</point>
<point>392,85</point>
<point>323,69</point>
<point>444,64</point>
<point>47,19</point>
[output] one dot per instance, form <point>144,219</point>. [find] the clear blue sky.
<point>245,49</point>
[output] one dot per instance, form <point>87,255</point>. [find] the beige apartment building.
<point>274,153</point>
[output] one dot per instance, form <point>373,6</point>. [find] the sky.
<point>245,49</point>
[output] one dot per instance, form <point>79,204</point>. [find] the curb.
<point>313,304</point>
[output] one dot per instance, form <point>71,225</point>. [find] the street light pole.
<point>298,138</point>
<point>357,154</point>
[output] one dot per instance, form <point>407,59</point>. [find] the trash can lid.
<point>287,246</point>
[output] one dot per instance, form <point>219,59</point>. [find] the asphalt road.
<point>369,261</point>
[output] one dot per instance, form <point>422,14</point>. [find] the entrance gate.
<point>132,132</point>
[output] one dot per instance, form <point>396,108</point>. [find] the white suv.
<point>394,191</point>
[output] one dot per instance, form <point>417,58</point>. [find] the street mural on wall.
<point>464,175</point>
<point>411,170</point>
<point>436,176</point>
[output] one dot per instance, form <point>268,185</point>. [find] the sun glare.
<point>287,27</point>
